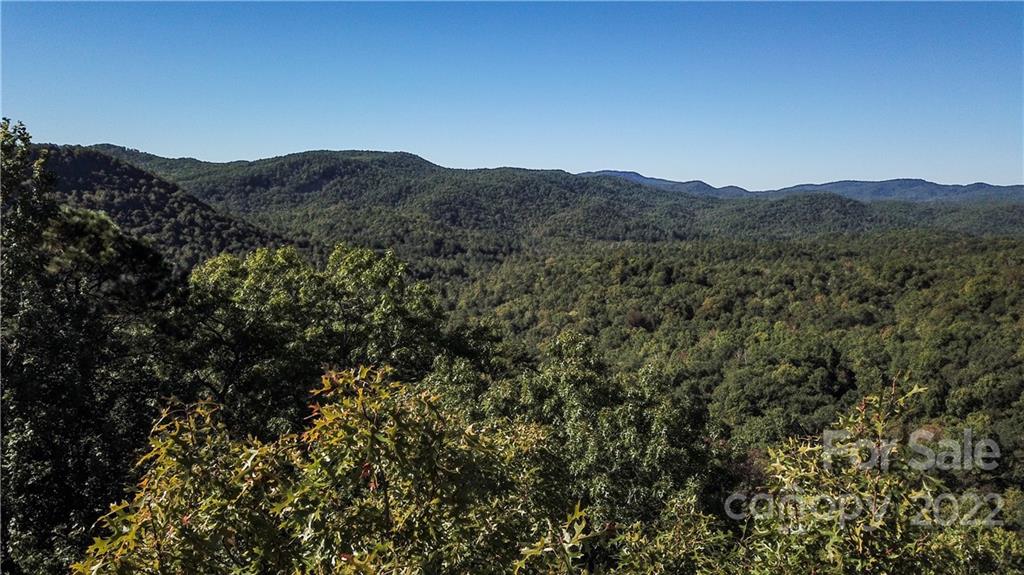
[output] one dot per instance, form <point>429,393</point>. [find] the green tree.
<point>628,442</point>
<point>261,329</point>
<point>383,479</point>
<point>859,506</point>
<point>81,306</point>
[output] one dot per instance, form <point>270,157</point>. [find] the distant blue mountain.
<point>906,190</point>
<point>695,187</point>
<point>910,190</point>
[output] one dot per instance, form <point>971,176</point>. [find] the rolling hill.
<point>450,221</point>
<point>185,229</point>
<point>695,187</point>
<point>912,190</point>
<point>901,190</point>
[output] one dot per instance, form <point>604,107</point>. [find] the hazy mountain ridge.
<point>913,190</point>
<point>186,170</point>
<point>696,187</point>
<point>904,189</point>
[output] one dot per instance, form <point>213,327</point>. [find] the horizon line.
<point>581,173</point>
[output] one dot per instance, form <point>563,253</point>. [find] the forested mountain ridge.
<point>902,190</point>
<point>446,219</point>
<point>579,403</point>
<point>696,187</point>
<point>325,165</point>
<point>912,190</point>
<point>186,229</point>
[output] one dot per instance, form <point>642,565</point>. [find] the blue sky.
<point>757,95</point>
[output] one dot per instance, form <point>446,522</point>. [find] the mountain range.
<point>449,221</point>
<point>187,229</point>
<point>902,190</point>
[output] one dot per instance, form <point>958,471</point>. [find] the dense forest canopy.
<point>361,362</point>
<point>449,222</point>
<point>187,229</point>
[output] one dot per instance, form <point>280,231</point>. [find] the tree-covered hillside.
<point>782,336</point>
<point>903,190</point>
<point>913,190</point>
<point>183,227</point>
<point>448,221</point>
<point>695,187</point>
<point>510,371</point>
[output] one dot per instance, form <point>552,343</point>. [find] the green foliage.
<point>779,337</point>
<point>856,511</point>
<point>386,479</point>
<point>24,197</point>
<point>81,307</point>
<point>383,479</point>
<point>185,229</point>
<point>683,540</point>
<point>592,344</point>
<point>261,329</point>
<point>628,443</point>
<point>831,513</point>
<point>454,223</point>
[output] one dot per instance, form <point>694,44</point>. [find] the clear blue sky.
<point>757,95</point>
